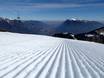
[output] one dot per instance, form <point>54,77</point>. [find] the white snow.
<point>37,56</point>
<point>74,19</point>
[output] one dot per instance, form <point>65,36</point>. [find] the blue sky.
<point>53,9</point>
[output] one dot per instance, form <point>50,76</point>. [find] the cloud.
<point>55,5</point>
<point>48,5</point>
<point>65,5</point>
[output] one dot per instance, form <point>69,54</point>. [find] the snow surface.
<point>36,56</point>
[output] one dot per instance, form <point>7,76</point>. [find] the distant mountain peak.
<point>78,26</point>
<point>73,19</point>
<point>76,21</point>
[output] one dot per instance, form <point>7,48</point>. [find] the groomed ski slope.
<point>36,56</point>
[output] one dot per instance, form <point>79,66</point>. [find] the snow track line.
<point>49,58</point>
<point>13,62</point>
<point>16,66</point>
<point>46,67</point>
<point>96,61</point>
<point>68,63</point>
<point>23,63</point>
<point>76,68</point>
<point>93,66</point>
<point>54,67</point>
<point>35,64</point>
<point>42,65</point>
<point>82,67</point>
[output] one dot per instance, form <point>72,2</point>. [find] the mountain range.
<point>78,26</point>
<point>49,28</point>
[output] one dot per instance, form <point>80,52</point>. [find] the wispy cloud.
<point>48,5</point>
<point>65,5</point>
<point>55,5</point>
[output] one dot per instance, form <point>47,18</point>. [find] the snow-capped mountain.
<point>49,28</point>
<point>37,56</point>
<point>78,26</point>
